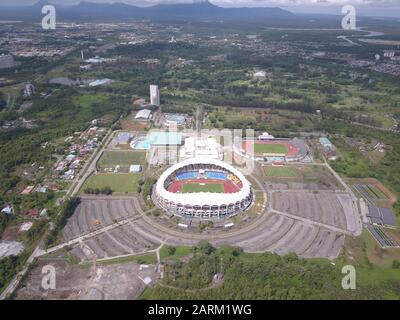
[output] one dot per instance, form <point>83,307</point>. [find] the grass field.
<point>270,148</point>
<point>195,187</point>
<point>180,251</point>
<point>118,182</point>
<point>281,171</point>
<point>122,158</point>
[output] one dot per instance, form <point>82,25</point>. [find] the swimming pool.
<point>140,145</point>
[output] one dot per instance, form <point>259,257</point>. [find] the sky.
<point>368,7</point>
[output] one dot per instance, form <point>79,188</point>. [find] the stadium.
<point>203,188</point>
<point>276,150</point>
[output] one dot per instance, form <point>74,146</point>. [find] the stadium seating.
<point>187,175</point>
<point>216,175</point>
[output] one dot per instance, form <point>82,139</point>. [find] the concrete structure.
<point>202,204</point>
<point>144,115</point>
<point>260,74</point>
<point>177,120</point>
<point>8,210</point>
<point>325,142</point>
<point>29,90</point>
<point>164,138</point>
<point>195,147</point>
<point>135,168</point>
<point>266,136</point>
<point>99,82</point>
<point>154,95</point>
<point>124,137</point>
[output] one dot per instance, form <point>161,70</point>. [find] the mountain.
<point>120,11</point>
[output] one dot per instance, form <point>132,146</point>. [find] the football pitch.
<point>209,187</point>
<point>281,172</point>
<point>270,148</point>
<point>122,158</point>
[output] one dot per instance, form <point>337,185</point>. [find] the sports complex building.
<point>276,150</point>
<point>202,188</point>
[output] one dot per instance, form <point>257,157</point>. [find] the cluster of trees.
<point>105,190</point>
<point>257,276</point>
<point>3,102</point>
<point>8,267</point>
<point>66,212</point>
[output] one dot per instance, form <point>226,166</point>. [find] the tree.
<point>171,250</point>
<point>204,247</point>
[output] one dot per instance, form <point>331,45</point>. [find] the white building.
<point>29,90</point>
<point>135,168</point>
<point>143,115</point>
<point>154,95</point>
<point>266,136</point>
<point>196,147</point>
<point>260,74</point>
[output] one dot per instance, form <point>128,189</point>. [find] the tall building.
<point>154,95</point>
<point>29,90</point>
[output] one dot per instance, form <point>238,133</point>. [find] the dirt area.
<point>130,124</point>
<point>89,282</point>
<point>12,233</point>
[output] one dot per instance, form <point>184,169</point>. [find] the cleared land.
<point>208,187</point>
<point>122,158</point>
<point>270,148</point>
<point>271,171</point>
<point>118,182</point>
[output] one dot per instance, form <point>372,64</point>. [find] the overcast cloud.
<point>231,3</point>
<point>364,7</point>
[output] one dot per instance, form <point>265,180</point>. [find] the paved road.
<point>90,166</point>
<point>87,169</point>
<point>353,199</point>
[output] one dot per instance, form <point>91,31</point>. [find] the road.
<point>90,166</point>
<point>74,189</point>
<point>353,198</point>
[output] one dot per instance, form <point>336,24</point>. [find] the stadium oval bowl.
<point>202,204</point>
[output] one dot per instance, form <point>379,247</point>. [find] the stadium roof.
<point>203,198</point>
<point>143,114</point>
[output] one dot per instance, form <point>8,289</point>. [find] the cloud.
<point>234,3</point>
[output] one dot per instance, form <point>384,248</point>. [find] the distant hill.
<point>117,11</point>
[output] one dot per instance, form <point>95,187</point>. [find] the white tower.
<point>154,95</point>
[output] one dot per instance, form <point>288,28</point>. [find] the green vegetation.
<point>105,190</point>
<point>206,187</point>
<point>285,171</point>
<point>67,211</point>
<point>122,158</point>
<point>117,182</point>
<point>174,252</point>
<point>265,276</point>
<point>149,258</point>
<point>270,148</point>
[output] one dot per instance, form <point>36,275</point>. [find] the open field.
<point>118,182</point>
<point>122,158</point>
<point>120,281</point>
<point>270,148</point>
<point>284,171</point>
<point>314,177</point>
<point>180,252</point>
<point>208,187</point>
